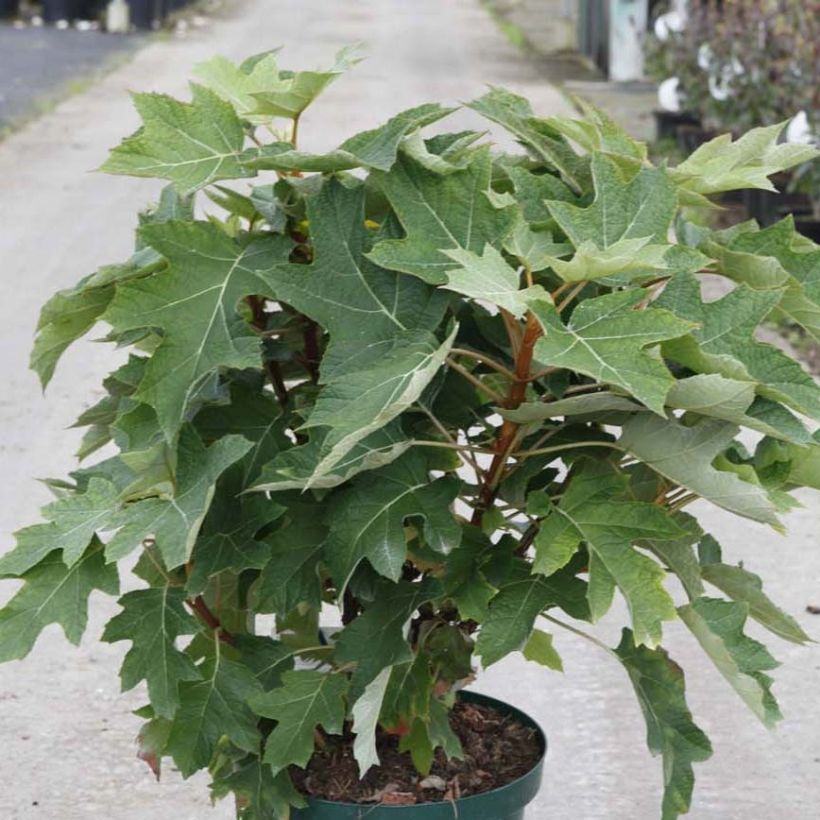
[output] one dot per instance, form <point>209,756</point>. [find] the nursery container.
<point>505,803</point>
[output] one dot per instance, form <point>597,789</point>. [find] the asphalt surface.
<point>39,66</point>
<point>68,735</point>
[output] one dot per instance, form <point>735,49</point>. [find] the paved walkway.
<point>67,734</point>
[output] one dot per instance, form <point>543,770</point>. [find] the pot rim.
<point>471,697</point>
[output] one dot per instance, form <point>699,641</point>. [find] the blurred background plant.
<point>731,65</point>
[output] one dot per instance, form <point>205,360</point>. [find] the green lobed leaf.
<point>490,279</point>
<point>609,528</point>
<point>306,699</point>
<point>192,144</point>
<point>358,403</point>
<point>259,795</point>
<point>718,626</point>
<point>376,640</point>
<point>175,522</point>
<point>66,317</point>
<point>290,565</point>
<point>440,214</point>
<point>298,89</point>
<point>723,165</point>
<point>671,732</point>
<point>685,455</point>
<point>606,339</point>
<point>210,709</point>
<point>724,344</point>
<point>519,602</point>
<point>732,400</point>
<point>54,593</point>
<point>195,305</point>
<point>774,259</point>
<point>293,468</point>
<point>746,588</point>
<point>595,131</point>
<point>376,149</point>
<point>367,518</point>
<point>152,619</point>
<point>538,135</point>
<point>624,230</point>
<point>237,84</point>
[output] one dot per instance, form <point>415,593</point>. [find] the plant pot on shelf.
<point>767,207</point>
<point>691,137</point>
<point>9,8</point>
<point>56,10</point>
<point>668,122</point>
<point>810,228</point>
<point>147,14</point>
<point>507,802</point>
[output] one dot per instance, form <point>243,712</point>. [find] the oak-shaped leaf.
<point>54,593</point>
<point>624,231</point>
<point>212,708</point>
<point>723,343</point>
<point>298,89</point>
<point>194,304</point>
<point>713,395</point>
<point>775,258</point>
<point>488,278</point>
<point>440,213</point>
<point>519,602</point>
<point>376,148</point>
<point>607,339</point>
<point>376,639</point>
<point>192,144</point>
<point>306,699</point>
<point>152,619</point>
<point>259,794</point>
<point>367,518</point>
<point>685,455</point>
<point>175,522</point>
<point>515,114</point>
<point>671,732</point>
<point>743,586</point>
<point>293,468</point>
<point>743,661</point>
<point>290,571</point>
<point>723,165</point>
<point>357,403</point>
<point>591,512</point>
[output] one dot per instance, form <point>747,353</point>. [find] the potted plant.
<point>461,397</point>
<point>9,8</point>
<point>147,14</point>
<point>742,65</point>
<point>58,11</point>
<point>806,181</point>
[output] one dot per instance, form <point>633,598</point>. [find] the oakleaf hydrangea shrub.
<point>463,396</point>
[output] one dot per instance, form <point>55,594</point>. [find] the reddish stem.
<point>201,610</point>
<point>506,438</point>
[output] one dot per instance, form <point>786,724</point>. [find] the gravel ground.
<point>67,733</point>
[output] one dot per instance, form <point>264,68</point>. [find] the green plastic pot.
<point>506,803</point>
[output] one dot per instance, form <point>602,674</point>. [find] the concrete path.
<point>67,733</point>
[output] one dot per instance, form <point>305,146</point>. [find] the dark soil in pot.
<point>498,749</point>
